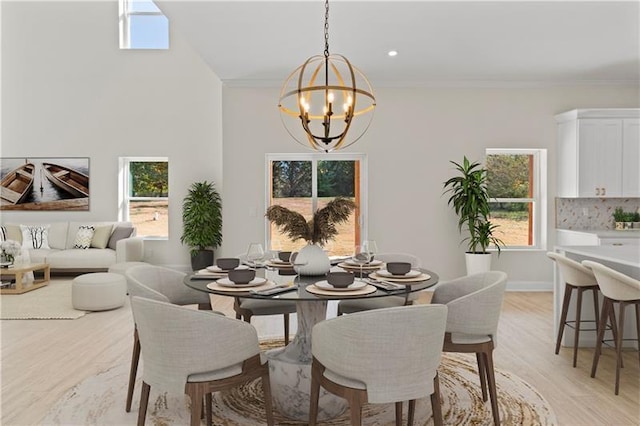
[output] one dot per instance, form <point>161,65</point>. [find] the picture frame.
<point>44,183</point>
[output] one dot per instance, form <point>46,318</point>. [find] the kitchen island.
<point>623,258</point>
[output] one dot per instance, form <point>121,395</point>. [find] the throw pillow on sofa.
<point>101,236</point>
<point>84,237</point>
<point>35,237</point>
<point>120,233</point>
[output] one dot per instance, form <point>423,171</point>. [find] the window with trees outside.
<point>142,25</point>
<point>144,195</point>
<point>516,183</point>
<point>307,182</point>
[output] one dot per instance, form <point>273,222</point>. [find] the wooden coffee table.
<point>19,271</point>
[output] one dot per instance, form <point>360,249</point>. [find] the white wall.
<point>68,90</point>
<point>415,132</point>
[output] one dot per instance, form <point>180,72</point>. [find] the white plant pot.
<point>313,260</point>
<point>478,262</point>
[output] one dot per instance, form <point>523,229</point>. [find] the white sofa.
<point>63,257</point>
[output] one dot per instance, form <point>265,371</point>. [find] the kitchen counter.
<point>623,258</point>
<point>627,255</point>
<point>607,233</point>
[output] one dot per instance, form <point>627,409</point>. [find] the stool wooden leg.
<point>135,357</point>
<point>604,316</point>
<point>568,289</point>
<point>483,375</point>
<point>638,327</point>
<point>619,345</point>
<point>576,336</point>
<point>596,307</point>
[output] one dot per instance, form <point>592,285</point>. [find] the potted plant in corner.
<point>202,223</point>
<point>317,231</point>
<point>470,201</point>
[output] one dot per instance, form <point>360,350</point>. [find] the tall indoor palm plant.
<point>470,200</point>
<point>202,223</point>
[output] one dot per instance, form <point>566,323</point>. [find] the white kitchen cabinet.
<point>599,153</point>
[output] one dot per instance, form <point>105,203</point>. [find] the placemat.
<point>420,278</point>
<point>349,267</point>
<point>320,292</point>
<point>217,287</point>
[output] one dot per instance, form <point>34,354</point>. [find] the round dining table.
<point>290,366</point>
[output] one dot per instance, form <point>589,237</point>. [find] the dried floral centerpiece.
<point>317,231</point>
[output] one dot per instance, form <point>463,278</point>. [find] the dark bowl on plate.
<point>284,255</point>
<point>227,263</point>
<point>340,279</point>
<point>242,276</point>
<point>398,268</point>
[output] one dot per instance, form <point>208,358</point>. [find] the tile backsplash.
<point>591,213</point>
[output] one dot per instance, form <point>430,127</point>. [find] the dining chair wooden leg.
<point>355,412</point>
<point>144,401</point>
<point>266,389</point>
<point>196,393</point>
<point>286,329</point>
<point>619,345</point>
<point>576,330</point>
<point>316,372</point>
<point>483,375</point>
<point>208,401</point>
<point>491,379</point>
<point>602,325</point>
<point>399,413</point>
<point>135,358</point>
<point>436,402</point>
<point>411,412</point>
<point>568,289</point>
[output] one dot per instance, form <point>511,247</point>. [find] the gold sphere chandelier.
<point>326,98</point>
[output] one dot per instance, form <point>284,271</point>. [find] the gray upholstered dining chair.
<point>379,356</point>
<point>619,288</point>
<point>247,308</point>
<point>197,353</point>
<point>165,285</point>
<point>351,306</point>
<point>580,278</point>
<point>474,303</point>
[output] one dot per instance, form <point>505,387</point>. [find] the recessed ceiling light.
<point>392,53</point>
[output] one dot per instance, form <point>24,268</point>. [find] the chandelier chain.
<point>326,28</point>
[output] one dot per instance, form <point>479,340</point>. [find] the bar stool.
<point>616,288</point>
<point>576,277</point>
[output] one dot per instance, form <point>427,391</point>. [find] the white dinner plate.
<point>226,282</point>
<point>215,268</point>
<point>324,285</point>
<point>366,265</point>
<point>411,274</point>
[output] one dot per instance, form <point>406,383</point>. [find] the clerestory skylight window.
<point>142,25</point>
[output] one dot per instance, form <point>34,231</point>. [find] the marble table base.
<point>290,370</point>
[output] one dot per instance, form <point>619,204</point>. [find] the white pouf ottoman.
<point>121,268</point>
<point>99,291</point>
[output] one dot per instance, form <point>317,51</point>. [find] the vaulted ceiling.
<point>438,43</point>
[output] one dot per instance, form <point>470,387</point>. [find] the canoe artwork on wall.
<point>36,183</point>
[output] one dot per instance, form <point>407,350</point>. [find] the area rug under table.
<point>100,400</point>
<point>52,301</point>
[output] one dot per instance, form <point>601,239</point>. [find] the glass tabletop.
<point>298,291</point>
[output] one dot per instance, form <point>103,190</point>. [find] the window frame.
<point>124,24</point>
<point>124,187</point>
<point>538,198</point>
<point>314,157</point>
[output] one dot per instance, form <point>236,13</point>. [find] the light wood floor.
<point>42,359</point>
